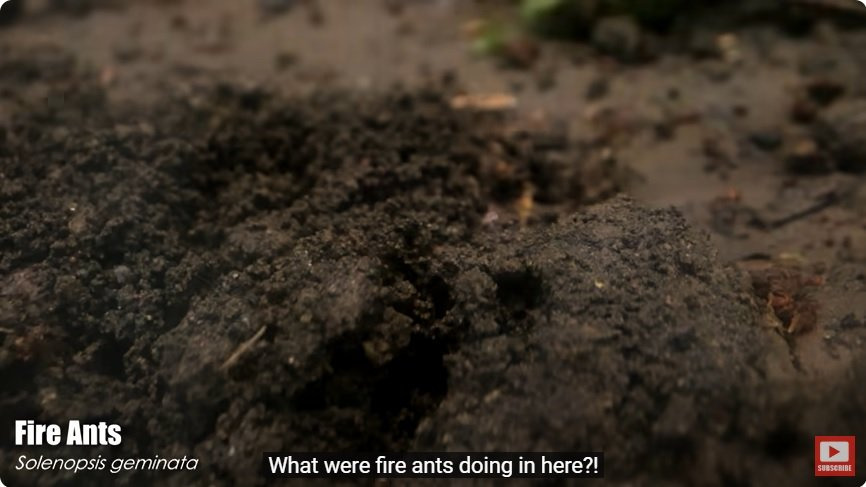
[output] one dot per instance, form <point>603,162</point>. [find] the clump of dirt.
<point>139,258</point>
<point>625,317</point>
<point>232,272</point>
<point>840,131</point>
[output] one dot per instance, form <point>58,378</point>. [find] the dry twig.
<point>243,348</point>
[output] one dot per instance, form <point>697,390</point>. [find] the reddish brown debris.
<point>788,295</point>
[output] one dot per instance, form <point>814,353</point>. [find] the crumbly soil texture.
<point>229,271</point>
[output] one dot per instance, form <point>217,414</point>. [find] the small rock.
<point>728,45</point>
<point>598,88</point>
<point>122,274</point>
<point>619,37</point>
<point>805,157</point>
<point>766,140</point>
<point>842,131</point>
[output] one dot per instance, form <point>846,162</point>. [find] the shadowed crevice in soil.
<point>393,397</point>
<point>519,291</point>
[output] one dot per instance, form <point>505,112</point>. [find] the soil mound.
<point>238,273</point>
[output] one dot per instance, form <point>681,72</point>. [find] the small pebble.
<point>123,274</point>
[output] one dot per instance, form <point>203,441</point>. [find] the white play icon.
<point>834,451</point>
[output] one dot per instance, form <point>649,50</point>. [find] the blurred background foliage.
<point>570,18</point>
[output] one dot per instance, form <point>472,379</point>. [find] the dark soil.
<point>225,269</point>
<point>355,231</point>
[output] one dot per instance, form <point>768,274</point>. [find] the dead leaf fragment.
<point>485,102</point>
